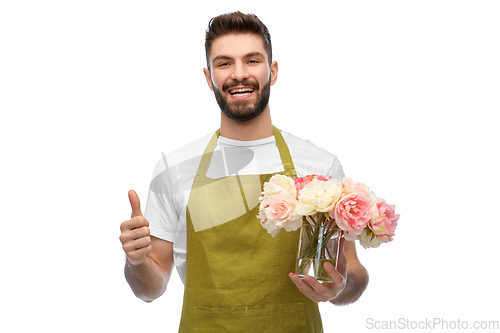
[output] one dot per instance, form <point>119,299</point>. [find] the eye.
<point>222,64</point>
<point>253,61</point>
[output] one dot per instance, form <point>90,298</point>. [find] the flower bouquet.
<point>326,210</point>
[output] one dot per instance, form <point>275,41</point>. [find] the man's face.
<point>241,76</point>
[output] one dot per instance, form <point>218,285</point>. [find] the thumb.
<point>135,203</point>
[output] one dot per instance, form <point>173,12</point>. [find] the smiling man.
<point>240,73</point>
<point>241,78</point>
<point>201,213</point>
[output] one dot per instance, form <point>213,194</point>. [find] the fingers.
<point>305,287</point>
<point>132,244</point>
<point>315,291</point>
<point>136,240</point>
<point>133,223</point>
<point>135,203</point>
<point>320,292</point>
<point>336,276</point>
<point>138,256</point>
<point>133,230</point>
<point>138,249</point>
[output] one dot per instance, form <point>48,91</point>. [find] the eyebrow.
<point>221,57</point>
<point>248,55</point>
<point>253,54</point>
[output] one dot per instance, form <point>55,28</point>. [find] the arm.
<point>356,280</point>
<point>349,280</point>
<point>148,279</point>
<point>149,260</point>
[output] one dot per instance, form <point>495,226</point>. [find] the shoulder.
<point>183,156</point>
<point>306,147</point>
<point>174,172</point>
<point>194,149</point>
<point>308,158</point>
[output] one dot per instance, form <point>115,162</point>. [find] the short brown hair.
<point>236,22</point>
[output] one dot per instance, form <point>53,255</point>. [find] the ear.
<point>208,77</point>
<point>274,72</point>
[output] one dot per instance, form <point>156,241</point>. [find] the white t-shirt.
<point>174,174</point>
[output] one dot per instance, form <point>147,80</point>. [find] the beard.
<point>241,110</point>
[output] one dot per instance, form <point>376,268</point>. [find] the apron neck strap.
<point>286,158</point>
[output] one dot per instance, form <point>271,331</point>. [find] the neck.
<point>255,129</point>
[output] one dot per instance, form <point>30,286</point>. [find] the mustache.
<point>250,83</point>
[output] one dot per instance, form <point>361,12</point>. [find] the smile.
<point>241,92</point>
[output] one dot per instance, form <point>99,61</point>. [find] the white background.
<point>405,93</point>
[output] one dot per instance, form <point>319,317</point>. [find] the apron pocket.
<point>284,318</point>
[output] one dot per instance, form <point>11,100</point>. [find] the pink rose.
<point>352,213</point>
<point>281,212</point>
<point>383,220</point>
<point>350,186</point>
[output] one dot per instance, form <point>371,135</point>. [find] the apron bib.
<point>236,273</point>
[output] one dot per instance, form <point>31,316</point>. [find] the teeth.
<point>242,90</point>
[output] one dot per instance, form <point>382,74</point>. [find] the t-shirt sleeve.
<point>161,211</point>
<point>336,170</point>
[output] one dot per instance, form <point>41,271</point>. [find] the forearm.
<point>356,283</point>
<point>146,280</point>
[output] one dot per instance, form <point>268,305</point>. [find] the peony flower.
<point>352,213</point>
<point>282,207</point>
<point>281,213</point>
<point>270,227</point>
<point>278,184</point>
<point>384,220</point>
<point>300,182</point>
<point>350,186</point>
<point>367,239</point>
<point>319,196</point>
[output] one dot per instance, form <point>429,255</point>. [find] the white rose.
<point>279,183</point>
<point>319,196</point>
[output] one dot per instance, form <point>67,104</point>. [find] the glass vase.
<point>319,243</point>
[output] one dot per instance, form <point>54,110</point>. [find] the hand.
<point>135,235</point>
<point>322,292</point>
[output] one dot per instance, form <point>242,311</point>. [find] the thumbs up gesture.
<point>135,236</point>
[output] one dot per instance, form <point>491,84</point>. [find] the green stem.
<point>311,228</point>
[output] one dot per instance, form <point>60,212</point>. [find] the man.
<point>203,201</point>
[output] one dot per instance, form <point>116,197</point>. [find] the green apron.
<point>236,273</point>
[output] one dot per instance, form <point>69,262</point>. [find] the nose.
<point>240,71</point>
